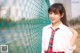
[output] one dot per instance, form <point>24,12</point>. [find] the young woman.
<point>58,37</point>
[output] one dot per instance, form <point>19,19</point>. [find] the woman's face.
<point>55,18</point>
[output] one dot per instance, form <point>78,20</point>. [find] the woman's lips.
<point>52,19</point>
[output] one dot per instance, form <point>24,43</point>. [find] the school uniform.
<point>62,39</point>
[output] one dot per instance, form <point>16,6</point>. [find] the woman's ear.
<point>62,15</point>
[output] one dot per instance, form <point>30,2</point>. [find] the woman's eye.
<point>56,13</point>
<point>50,13</point>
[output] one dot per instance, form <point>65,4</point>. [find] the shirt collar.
<point>61,25</point>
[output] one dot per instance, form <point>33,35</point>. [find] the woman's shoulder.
<point>66,29</point>
<point>73,30</point>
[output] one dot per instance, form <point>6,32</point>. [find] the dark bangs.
<point>53,10</point>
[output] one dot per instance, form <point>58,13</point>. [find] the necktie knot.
<point>54,30</point>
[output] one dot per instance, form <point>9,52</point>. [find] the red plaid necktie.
<point>51,40</point>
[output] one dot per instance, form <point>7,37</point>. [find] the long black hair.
<point>59,8</point>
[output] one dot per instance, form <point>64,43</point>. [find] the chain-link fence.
<point>23,35</point>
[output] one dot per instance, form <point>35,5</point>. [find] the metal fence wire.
<point>25,35</point>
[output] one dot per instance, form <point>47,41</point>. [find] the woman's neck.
<point>55,25</point>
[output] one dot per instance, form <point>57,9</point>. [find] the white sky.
<point>75,8</point>
<point>51,2</point>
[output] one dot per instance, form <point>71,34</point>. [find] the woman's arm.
<point>74,37</point>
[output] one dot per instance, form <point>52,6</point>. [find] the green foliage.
<point>6,23</point>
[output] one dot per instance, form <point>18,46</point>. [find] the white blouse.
<point>62,39</point>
